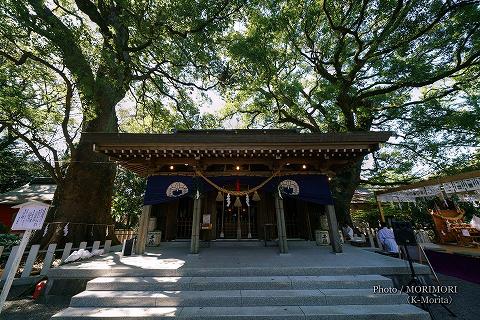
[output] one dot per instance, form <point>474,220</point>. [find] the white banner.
<point>459,186</point>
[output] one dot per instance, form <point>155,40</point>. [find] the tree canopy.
<point>409,66</point>
<point>100,51</point>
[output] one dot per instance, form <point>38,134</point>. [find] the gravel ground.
<point>465,304</point>
<point>23,309</point>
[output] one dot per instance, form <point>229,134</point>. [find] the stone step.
<point>79,273</point>
<point>233,298</point>
<point>236,283</point>
<point>344,312</point>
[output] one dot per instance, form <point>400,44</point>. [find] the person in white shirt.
<point>387,239</point>
<point>348,231</point>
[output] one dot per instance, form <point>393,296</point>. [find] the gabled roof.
<point>145,153</point>
<point>39,189</point>
<point>207,139</point>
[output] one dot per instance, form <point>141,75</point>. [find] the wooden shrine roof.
<point>145,154</point>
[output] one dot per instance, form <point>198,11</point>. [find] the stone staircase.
<point>258,294</point>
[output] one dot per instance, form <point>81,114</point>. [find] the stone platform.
<point>230,258</point>
<point>239,281</point>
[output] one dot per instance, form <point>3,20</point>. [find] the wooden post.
<point>66,251</point>
<point>370,238</point>
<point>47,263</point>
<point>195,241</point>
<point>380,208</point>
<point>83,245</point>
<point>239,225</point>
<point>282,232</point>
<point>333,229</point>
<point>143,230</point>
<point>32,256</point>
<point>106,247</point>
<point>96,245</point>
<point>10,273</point>
<point>11,258</point>
<point>279,225</point>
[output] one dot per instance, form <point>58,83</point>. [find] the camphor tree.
<point>17,166</point>
<point>99,51</point>
<point>338,66</point>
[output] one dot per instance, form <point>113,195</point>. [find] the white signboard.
<point>30,218</point>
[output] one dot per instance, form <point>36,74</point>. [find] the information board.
<point>30,218</point>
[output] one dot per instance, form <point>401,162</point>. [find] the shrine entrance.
<point>232,222</point>
<point>236,183</point>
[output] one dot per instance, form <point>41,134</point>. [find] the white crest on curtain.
<point>176,189</point>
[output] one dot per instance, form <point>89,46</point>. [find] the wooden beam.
<point>434,181</point>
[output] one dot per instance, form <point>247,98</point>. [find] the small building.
<point>237,184</point>
<point>39,189</point>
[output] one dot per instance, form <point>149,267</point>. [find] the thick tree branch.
<point>62,37</point>
<point>54,170</point>
<point>69,89</point>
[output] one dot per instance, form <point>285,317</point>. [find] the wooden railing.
<point>32,255</point>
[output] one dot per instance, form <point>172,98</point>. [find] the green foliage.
<point>70,64</point>
<point>332,66</point>
<point>128,198</point>
<point>370,216</point>
<point>418,213</point>
<point>17,168</point>
<point>8,241</point>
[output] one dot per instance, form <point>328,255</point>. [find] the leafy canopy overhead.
<point>332,66</point>
<point>67,64</point>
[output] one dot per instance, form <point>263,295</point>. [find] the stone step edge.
<point>264,312</point>
<point>87,273</point>
<point>236,298</point>
<point>186,283</point>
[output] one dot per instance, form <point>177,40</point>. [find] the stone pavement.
<point>236,260</point>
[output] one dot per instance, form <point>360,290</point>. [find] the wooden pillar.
<point>380,208</point>
<point>282,232</point>
<point>143,229</point>
<point>195,241</point>
<point>333,229</point>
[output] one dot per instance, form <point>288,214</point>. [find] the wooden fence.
<point>32,255</point>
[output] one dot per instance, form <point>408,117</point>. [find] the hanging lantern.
<point>256,197</point>
<point>219,196</point>
<point>237,203</point>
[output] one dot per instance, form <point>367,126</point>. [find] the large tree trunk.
<point>343,188</point>
<point>84,198</point>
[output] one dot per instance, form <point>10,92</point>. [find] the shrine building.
<point>237,184</point>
